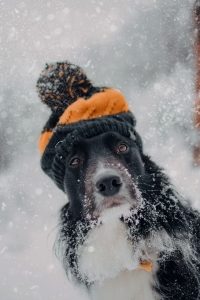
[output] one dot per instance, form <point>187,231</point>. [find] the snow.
<point>142,47</point>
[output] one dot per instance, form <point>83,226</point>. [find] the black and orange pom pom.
<point>62,83</point>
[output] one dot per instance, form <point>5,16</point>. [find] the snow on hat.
<point>78,109</point>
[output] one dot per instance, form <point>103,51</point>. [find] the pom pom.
<point>62,83</point>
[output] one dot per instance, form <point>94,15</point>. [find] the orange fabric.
<point>105,103</point>
<point>44,139</point>
<point>146,265</point>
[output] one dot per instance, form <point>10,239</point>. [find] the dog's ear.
<point>62,83</point>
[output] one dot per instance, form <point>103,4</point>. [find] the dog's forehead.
<point>107,135</point>
<point>104,139</point>
<point>98,143</point>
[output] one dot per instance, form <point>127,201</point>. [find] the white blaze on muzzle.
<point>112,186</point>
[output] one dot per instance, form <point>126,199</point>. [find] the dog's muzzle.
<point>112,187</point>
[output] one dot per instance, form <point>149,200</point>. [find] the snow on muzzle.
<point>109,185</point>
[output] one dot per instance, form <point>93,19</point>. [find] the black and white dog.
<point>125,232</point>
<point>123,211</point>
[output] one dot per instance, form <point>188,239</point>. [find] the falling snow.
<point>144,48</point>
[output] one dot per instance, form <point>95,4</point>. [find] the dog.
<point>125,232</point>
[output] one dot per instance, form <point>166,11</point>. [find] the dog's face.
<point>102,172</point>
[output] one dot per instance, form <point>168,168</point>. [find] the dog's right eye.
<point>75,162</point>
<point>122,148</point>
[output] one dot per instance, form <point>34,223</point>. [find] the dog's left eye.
<point>75,162</point>
<point>122,148</point>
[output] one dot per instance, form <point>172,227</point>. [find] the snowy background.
<point>143,47</point>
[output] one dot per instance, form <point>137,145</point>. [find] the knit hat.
<point>78,110</point>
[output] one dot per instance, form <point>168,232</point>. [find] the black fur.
<point>163,209</point>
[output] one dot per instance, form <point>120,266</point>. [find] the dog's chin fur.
<point>106,251</point>
<point>108,261</point>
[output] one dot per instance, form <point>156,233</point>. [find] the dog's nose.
<point>109,186</point>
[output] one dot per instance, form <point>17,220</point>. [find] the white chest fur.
<point>107,259</point>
